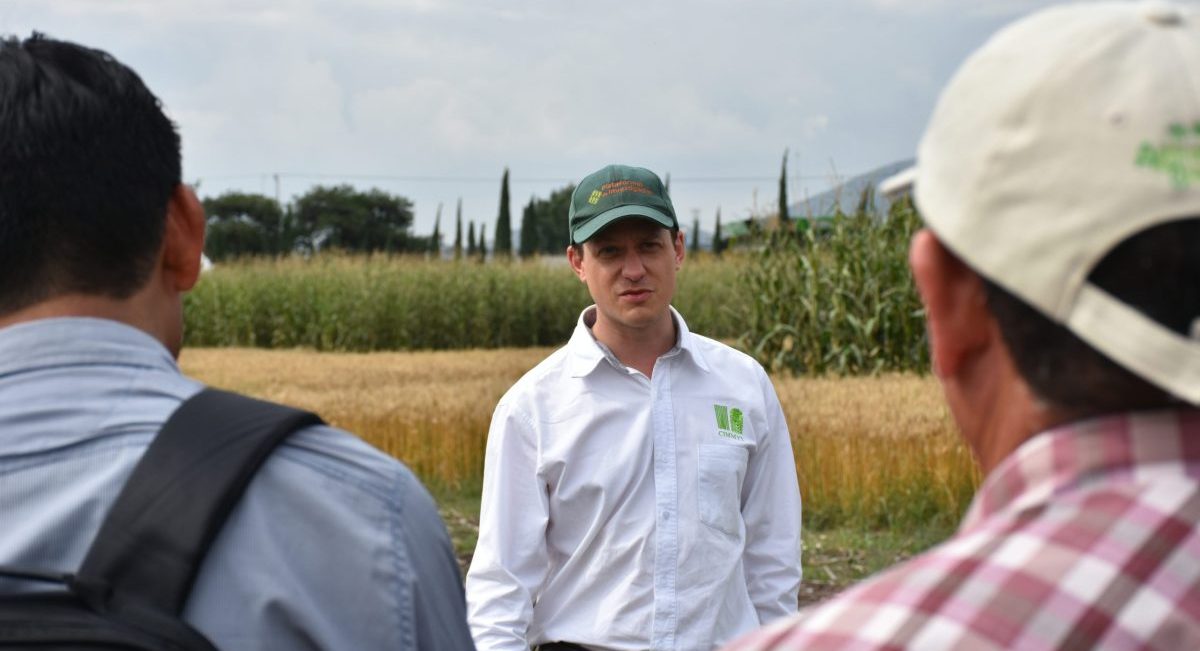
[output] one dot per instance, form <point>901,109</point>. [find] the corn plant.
<point>837,300</point>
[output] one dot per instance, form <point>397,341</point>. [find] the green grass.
<point>460,511</point>
<point>835,559</point>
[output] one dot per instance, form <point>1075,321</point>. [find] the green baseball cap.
<point>618,192</point>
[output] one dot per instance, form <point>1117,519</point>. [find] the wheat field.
<point>872,452</point>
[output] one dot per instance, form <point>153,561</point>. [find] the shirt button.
<point>666,515</point>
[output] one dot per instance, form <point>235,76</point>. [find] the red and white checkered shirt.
<point>1088,536</point>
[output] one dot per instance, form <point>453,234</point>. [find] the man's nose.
<point>633,268</point>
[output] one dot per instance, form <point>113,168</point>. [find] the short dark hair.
<point>88,162</point>
<point>1157,272</point>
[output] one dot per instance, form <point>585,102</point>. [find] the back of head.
<point>1062,164</point>
<point>1157,274</point>
<point>88,162</point>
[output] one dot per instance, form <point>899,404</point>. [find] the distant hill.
<point>847,194</point>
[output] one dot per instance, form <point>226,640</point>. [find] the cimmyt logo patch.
<point>729,422</point>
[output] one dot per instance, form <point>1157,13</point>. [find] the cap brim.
<point>599,222</point>
<point>898,184</point>
<point>1137,342</point>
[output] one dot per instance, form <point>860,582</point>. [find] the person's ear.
<point>575,257</point>
<point>955,300</point>
<point>680,248</point>
<point>183,239</point>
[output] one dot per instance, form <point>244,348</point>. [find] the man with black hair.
<point>1059,180</point>
<point>333,546</point>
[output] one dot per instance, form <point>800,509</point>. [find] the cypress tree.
<point>717,245</point>
<point>458,243</point>
<point>695,236</point>
<point>783,198</point>
<point>503,238</point>
<point>435,240</point>
<point>471,240</point>
<point>482,242</point>
<point>529,231</point>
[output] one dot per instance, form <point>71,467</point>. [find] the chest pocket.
<point>719,489</point>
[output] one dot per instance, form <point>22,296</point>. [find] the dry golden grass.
<point>876,451</point>
<point>430,409</point>
<point>873,452</point>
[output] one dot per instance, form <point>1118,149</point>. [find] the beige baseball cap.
<point>1068,132</point>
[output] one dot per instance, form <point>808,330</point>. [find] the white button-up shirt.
<point>626,512</point>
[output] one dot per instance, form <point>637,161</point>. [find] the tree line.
<point>326,217</point>
<point>343,218</point>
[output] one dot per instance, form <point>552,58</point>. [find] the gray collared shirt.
<point>334,546</point>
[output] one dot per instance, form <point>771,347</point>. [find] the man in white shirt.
<point>639,488</point>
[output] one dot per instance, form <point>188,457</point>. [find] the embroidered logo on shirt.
<point>729,422</point>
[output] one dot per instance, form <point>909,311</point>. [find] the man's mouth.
<point>636,295</point>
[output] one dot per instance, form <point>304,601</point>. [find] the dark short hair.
<point>1157,272</point>
<point>88,162</point>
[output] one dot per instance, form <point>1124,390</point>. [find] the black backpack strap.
<point>150,546</point>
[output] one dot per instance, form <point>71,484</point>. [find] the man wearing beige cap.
<point>1060,269</point>
<point>639,490</point>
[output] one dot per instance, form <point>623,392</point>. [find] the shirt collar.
<point>1107,448</point>
<point>75,340</point>
<point>587,352</point>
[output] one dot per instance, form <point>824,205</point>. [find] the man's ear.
<point>680,249</point>
<point>183,239</point>
<point>575,257</point>
<point>955,300</point>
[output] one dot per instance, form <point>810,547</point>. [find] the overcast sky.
<point>431,99</point>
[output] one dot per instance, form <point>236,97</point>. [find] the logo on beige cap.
<point>1178,155</point>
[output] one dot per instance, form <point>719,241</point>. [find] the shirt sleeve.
<point>510,560</point>
<point>438,604</point>
<point>771,512</point>
<point>333,546</point>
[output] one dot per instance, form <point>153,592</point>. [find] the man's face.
<point>629,268</point>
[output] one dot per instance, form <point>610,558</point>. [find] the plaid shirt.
<point>1088,536</point>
